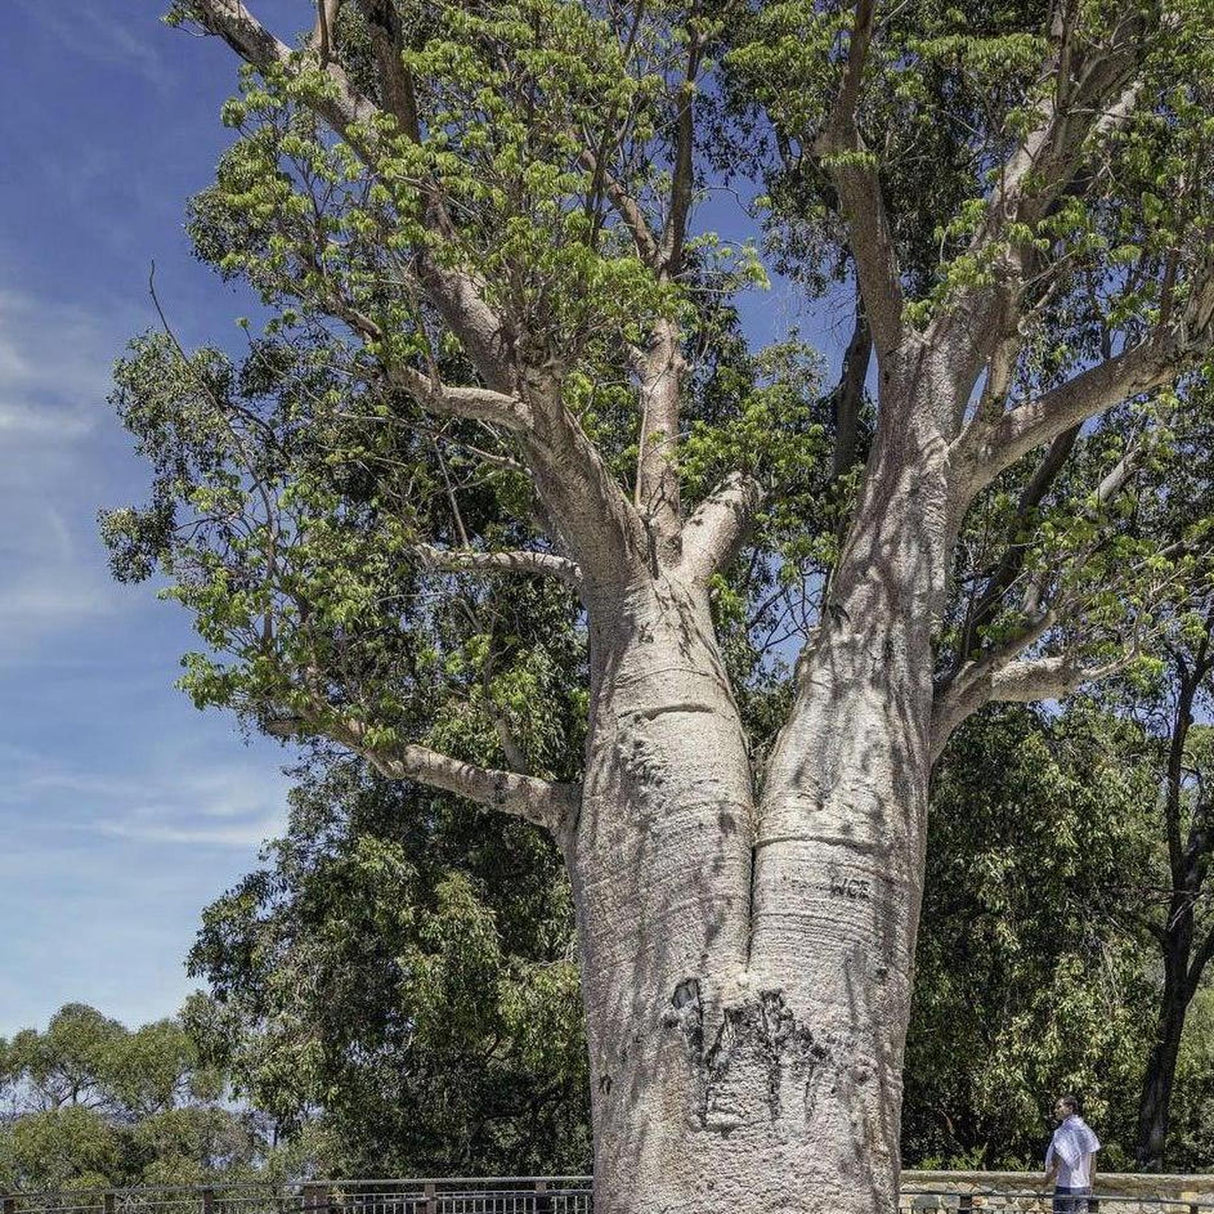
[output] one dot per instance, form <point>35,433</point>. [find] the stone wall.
<point>1118,1192</point>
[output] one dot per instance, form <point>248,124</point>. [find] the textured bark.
<point>747,970</point>
<point>660,861</point>
<point>840,846</point>
<point>1154,1106</point>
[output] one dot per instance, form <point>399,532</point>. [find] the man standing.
<point>1070,1161</point>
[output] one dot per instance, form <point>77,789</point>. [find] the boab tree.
<point>499,352</point>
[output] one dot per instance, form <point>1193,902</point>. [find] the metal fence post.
<point>431,1205</point>
<point>208,1201</point>
<point>543,1203</point>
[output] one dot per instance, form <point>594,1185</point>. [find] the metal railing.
<point>513,1195</point>
<point>439,1195</point>
<point>1030,1201</point>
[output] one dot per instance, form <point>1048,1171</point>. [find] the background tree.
<point>1178,753</point>
<point>1029,977</point>
<point>473,227</point>
<point>400,979</point>
<point>95,1105</point>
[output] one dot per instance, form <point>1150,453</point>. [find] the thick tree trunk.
<point>747,974</point>
<point>660,858</point>
<point>1155,1104</point>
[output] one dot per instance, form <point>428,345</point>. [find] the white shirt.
<point>1072,1147</point>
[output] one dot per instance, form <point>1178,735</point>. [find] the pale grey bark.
<point>456,560</point>
<point>543,802</point>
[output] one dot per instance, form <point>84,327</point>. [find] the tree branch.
<point>1092,91</point>
<point>683,169</point>
<point>1151,364</point>
<point>459,560</point>
<point>396,84</point>
<point>1022,682</point>
<point>1201,958</point>
<point>1012,561</point>
<point>861,202</point>
<point>626,207</point>
<point>717,529</point>
<point>598,524</point>
<point>545,803</point>
<point>849,395</point>
<point>661,369</point>
<point>480,403</point>
<point>453,291</point>
<point>322,33</point>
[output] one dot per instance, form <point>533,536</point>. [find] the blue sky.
<point>123,811</point>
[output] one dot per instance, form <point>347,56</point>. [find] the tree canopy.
<point>92,1104</point>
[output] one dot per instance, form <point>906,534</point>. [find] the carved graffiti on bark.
<point>760,1045</point>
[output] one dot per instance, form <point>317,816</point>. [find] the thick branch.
<point>1012,560</point>
<point>717,529</point>
<point>849,396</point>
<point>597,524</point>
<point>1091,92</point>
<point>342,106</point>
<point>596,520</point>
<point>539,801</point>
<point>458,560</point>
<point>861,202</point>
<point>1201,958</point>
<point>683,171</point>
<point>454,292</point>
<point>1024,681</point>
<point>1151,364</point>
<point>657,483</point>
<point>322,32</point>
<point>479,403</point>
<point>626,207</point>
<point>396,85</point>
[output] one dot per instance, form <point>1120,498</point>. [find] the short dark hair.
<point>1071,1102</point>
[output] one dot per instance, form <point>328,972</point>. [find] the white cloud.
<point>245,836</point>
<point>102,37</point>
<point>58,437</point>
<point>219,805</point>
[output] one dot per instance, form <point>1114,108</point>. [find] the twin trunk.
<point>747,965</point>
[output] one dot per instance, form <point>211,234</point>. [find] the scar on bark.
<point>759,1039</point>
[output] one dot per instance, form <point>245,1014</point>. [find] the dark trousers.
<point>1071,1200</point>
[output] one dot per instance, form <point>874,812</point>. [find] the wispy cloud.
<point>219,805</point>
<point>109,38</point>
<point>245,836</point>
<point>57,439</point>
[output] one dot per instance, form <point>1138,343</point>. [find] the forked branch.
<point>479,403</point>
<point>1153,363</point>
<point>1024,681</point>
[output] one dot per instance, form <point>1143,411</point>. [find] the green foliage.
<point>396,988</point>
<point>1030,979</point>
<point>1191,1140</point>
<point>99,1106</point>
